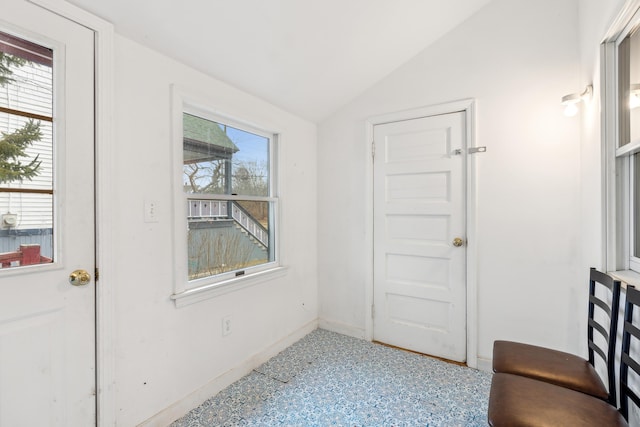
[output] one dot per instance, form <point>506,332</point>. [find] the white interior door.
<point>47,325</point>
<point>419,212</point>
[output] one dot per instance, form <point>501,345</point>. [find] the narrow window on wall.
<point>627,148</point>
<point>229,187</point>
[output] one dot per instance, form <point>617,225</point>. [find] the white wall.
<point>517,58</point>
<point>164,353</point>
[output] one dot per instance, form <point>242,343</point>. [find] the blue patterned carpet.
<point>328,379</point>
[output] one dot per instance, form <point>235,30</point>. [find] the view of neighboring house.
<point>26,202</point>
<point>225,234</point>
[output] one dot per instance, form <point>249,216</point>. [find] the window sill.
<point>191,296</point>
<point>627,277</point>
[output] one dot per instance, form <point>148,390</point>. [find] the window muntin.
<point>227,181</point>
<point>26,153</point>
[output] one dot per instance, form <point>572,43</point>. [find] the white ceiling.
<point>309,57</point>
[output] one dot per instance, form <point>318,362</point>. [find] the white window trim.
<point>188,292</point>
<point>634,261</point>
<point>212,290</point>
<point>616,161</point>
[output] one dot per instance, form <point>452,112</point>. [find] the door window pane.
<point>26,153</point>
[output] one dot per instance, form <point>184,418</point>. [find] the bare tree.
<point>205,177</point>
<point>216,251</point>
<point>13,145</point>
<point>250,178</point>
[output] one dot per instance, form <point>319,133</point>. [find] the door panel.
<point>47,326</point>
<point>419,275</point>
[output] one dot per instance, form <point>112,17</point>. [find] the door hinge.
<point>373,150</point>
<point>373,311</point>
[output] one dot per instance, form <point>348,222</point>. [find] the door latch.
<point>473,150</point>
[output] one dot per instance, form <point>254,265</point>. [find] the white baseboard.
<point>193,400</point>
<point>341,328</point>
<point>485,365</point>
<point>482,364</point>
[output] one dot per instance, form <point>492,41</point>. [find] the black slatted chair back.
<point>605,347</point>
<point>629,357</point>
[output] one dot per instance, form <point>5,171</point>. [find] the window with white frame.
<point>621,58</point>
<point>228,189</point>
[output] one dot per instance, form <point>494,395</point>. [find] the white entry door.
<point>419,235</point>
<point>47,324</point>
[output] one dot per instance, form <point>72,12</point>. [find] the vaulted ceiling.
<point>309,57</point>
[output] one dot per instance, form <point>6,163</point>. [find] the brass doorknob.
<point>79,278</point>
<point>457,242</point>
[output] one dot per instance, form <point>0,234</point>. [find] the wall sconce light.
<point>634,96</point>
<point>571,101</point>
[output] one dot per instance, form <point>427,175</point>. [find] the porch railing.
<point>25,255</point>
<point>219,209</point>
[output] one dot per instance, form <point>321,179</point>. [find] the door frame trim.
<point>466,106</point>
<point>104,200</point>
